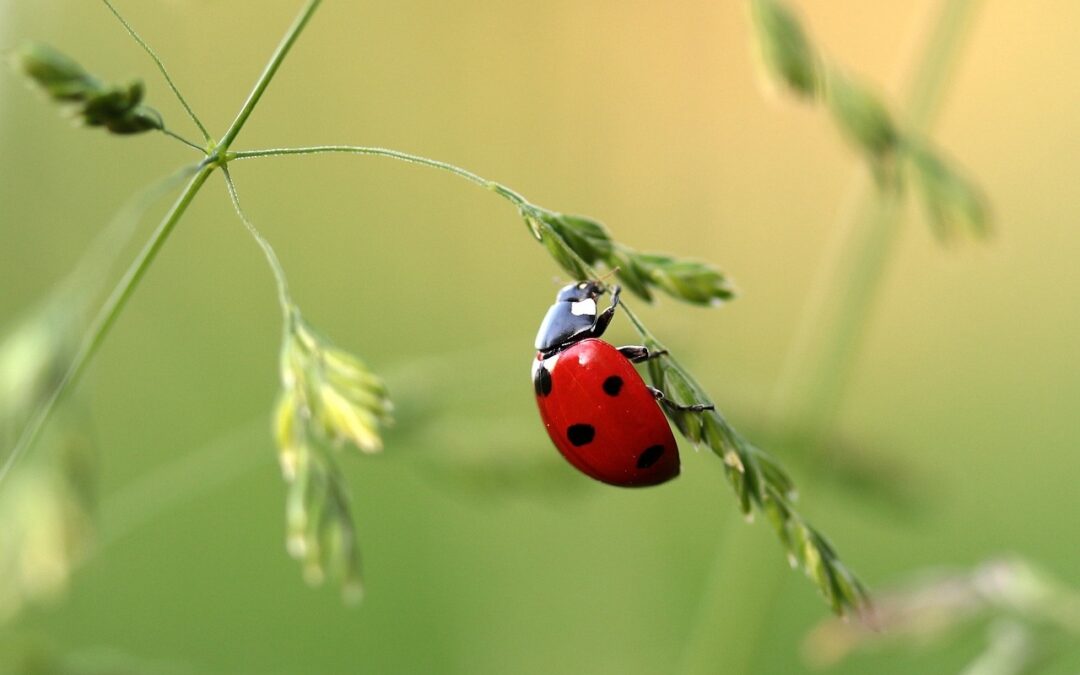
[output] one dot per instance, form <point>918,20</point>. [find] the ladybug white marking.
<point>586,307</point>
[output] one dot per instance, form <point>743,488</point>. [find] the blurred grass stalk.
<point>819,363</point>
<point>45,523</point>
<point>746,581</point>
<point>1029,617</point>
<point>46,509</point>
<point>114,305</point>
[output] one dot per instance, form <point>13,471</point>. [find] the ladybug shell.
<point>602,418</point>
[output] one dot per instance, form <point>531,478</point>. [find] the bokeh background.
<point>483,551</point>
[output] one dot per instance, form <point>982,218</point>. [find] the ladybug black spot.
<point>613,385</point>
<point>580,434</point>
<point>542,381</point>
<point>651,455</point>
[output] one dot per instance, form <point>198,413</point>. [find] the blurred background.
<point>483,551</point>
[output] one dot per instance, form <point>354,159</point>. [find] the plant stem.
<point>173,134</point>
<point>161,66</point>
<point>512,196</point>
<point>268,73</point>
<point>939,59</point>
<point>820,360</point>
<point>91,273</point>
<point>745,576</point>
<point>284,298</point>
<point>830,333</point>
<point>819,363</point>
<point>123,291</point>
<point>106,317</point>
<point>499,188</point>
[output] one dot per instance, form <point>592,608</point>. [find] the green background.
<point>483,551</point>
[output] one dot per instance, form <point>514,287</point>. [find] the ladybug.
<point>600,414</point>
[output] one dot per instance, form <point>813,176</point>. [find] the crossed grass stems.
<point>577,244</point>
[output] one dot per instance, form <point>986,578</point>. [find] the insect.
<point>600,414</point>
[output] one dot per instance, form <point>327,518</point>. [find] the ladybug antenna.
<point>607,275</point>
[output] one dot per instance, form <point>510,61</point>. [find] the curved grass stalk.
<point>758,481</point>
<point>164,71</point>
<point>117,300</point>
<point>514,197</point>
<point>576,243</point>
<point>105,318</point>
<point>284,298</point>
<point>103,251</point>
<point>409,158</point>
<point>822,356</point>
<point>820,360</point>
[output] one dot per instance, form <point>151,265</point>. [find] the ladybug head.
<point>573,317</point>
<point>580,290</point>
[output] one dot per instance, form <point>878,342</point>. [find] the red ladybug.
<point>600,414</point>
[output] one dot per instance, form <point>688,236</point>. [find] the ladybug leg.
<point>697,407</point>
<point>604,318</point>
<point>640,354</point>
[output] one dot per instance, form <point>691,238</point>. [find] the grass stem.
<point>822,357</point>
<point>117,300</point>
<point>268,73</point>
<point>284,298</point>
<point>106,318</point>
<point>823,354</point>
<point>173,134</point>
<point>502,190</point>
<point>161,66</point>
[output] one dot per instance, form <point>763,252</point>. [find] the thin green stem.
<point>173,134</point>
<point>123,291</point>
<point>822,355</point>
<point>745,577</point>
<point>284,298</point>
<point>161,67</point>
<point>828,340</point>
<point>514,197</point>
<point>85,283</point>
<point>500,189</point>
<point>938,62</point>
<point>92,271</point>
<point>106,317</point>
<point>268,73</point>
<point>640,327</point>
<point>511,195</point>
